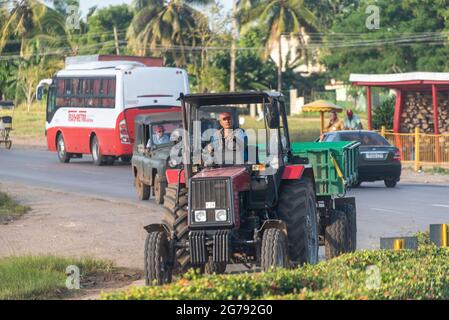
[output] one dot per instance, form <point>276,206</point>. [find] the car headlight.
<point>200,216</point>
<point>221,215</point>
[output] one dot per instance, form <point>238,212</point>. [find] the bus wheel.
<point>63,155</point>
<point>97,157</point>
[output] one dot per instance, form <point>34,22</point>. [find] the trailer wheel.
<point>274,250</point>
<point>157,269</point>
<point>63,155</point>
<point>297,208</point>
<point>351,216</point>
<point>143,190</point>
<point>8,144</point>
<point>159,189</point>
<point>175,216</point>
<point>336,235</point>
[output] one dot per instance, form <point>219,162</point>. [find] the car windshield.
<point>160,132</point>
<point>365,138</point>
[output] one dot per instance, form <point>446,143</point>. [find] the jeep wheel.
<point>175,216</point>
<point>143,190</point>
<point>63,155</point>
<point>159,189</point>
<point>297,208</point>
<point>157,269</point>
<point>336,240</point>
<point>274,250</point>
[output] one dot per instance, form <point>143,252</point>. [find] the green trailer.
<point>334,165</point>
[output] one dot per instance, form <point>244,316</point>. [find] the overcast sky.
<point>86,4</point>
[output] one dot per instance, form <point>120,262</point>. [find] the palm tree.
<point>165,25</point>
<point>282,17</point>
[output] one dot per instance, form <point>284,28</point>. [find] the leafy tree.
<point>383,115</point>
<point>100,35</point>
<point>281,17</point>
<point>163,26</point>
<point>407,40</point>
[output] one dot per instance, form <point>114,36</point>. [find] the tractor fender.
<point>296,172</point>
<point>162,227</point>
<point>271,223</point>
<point>173,174</point>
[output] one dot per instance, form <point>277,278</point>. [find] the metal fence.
<point>420,149</point>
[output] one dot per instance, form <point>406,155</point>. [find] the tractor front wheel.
<point>157,269</point>
<point>274,250</point>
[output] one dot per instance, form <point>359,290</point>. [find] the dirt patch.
<point>411,176</point>
<point>73,225</point>
<point>93,285</point>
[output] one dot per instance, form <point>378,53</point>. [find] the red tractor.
<point>262,210</point>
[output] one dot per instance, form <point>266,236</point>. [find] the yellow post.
<point>322,122</point>
<point>398,244</point>
<point>444,235</point>
<point>382,131</point>
<point>417,147</point>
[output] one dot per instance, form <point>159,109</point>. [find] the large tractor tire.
<point>157,268</point>
<point>175,216</point>
<point>274,250</point>
<point>297,208</point>
<point>336,238</point>
<point>351,216</point>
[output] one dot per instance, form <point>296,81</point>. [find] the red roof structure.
<point>402,83</point>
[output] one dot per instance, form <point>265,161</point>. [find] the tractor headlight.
<point>200,215</point>
<point>221,215</point>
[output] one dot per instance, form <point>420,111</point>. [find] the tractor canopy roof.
<point>229,98</point>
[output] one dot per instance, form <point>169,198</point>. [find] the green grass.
<point>405,274</point>
<point>27,124</point>
<point>437,170</point>
<point>9,207</point>
<point>41,277</point>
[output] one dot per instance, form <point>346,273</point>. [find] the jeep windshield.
<point>160,132</point>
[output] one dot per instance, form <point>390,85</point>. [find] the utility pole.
<point>117,48</point>
<point>233,45</point>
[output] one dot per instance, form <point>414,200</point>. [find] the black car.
<point>378,159</point>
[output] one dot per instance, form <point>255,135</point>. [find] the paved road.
<point>381,211</point>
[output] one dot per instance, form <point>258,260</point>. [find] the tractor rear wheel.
<point>336,238</point>
<point>175,216</point>
<point>297,208</point>
<point>274,250</point>
<point>157,269</point>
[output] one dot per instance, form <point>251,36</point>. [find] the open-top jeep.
<point>151,153</point>
<point>261,210</point>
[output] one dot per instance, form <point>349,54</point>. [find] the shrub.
<point>406,274</point>
<point>383,115</point>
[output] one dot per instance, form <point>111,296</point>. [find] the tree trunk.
<point>280,64</point>
<point>233,46</point>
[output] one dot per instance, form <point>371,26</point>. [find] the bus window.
<point>77,97</point>
<point>109,102</point>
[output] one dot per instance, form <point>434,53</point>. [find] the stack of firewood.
<point>418,112</point>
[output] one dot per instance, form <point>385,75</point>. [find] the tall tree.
<point>164,26</point>
<point>282,17</point>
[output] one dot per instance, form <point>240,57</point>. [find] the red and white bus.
<point>91,106</point>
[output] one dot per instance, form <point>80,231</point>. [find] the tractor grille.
<point>220,251</point>
<point>209,194</point>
